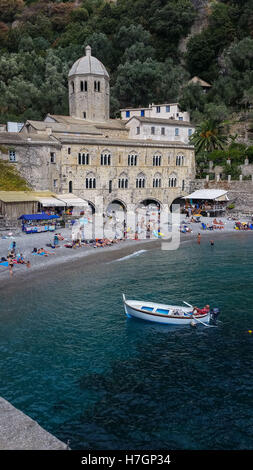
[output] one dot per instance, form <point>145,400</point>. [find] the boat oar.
<point>205,324</point>
<point>186,303</point>
<point>189,305</point>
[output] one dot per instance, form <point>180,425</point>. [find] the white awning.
<point>209,194</point>
<point>50,202</point>
<point>71,200</point>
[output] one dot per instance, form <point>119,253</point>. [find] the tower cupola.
<point>89,89</point>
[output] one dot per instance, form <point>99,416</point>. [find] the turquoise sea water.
<point>71,360</point>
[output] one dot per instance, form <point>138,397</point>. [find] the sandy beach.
<point>40,265</point>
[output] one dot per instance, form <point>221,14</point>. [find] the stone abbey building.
<point>144,156</point>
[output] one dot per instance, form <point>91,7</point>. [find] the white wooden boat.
<point>161,313</point>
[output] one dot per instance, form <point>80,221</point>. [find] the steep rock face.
<point>201,21</point>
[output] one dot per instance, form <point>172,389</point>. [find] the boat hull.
<point>185,316</point>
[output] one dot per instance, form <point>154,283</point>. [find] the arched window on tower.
<point>97,86</point>
<point>72,87</point>
<point>70,187</point>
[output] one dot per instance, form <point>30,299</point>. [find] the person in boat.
<point>206,309</point>
<point>201,311</point>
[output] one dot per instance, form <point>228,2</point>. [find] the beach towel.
<point>39,254</point>
<point>4,263</point>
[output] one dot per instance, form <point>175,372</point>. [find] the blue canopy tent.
<point>29,221</point>
<point>42,216</point>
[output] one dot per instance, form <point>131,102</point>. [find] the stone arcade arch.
<point>178,200</point>
<point>149,219</point>
<point>117,210</point>
<point>115,204</point>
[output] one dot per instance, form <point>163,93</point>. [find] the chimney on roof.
<point>88,51</point>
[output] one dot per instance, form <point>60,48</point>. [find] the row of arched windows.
<point>106,159</point>
<point>84,86</point>
<point>90,183</point>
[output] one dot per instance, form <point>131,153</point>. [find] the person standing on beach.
<point>10,262</point>
<point>198,239</point>
<point>56,241</point>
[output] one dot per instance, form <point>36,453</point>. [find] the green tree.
<point>136,83</point>
<point>140,83</point>
<point>138,51</point>
<point>209,136</point>
<point>204,48</point>
<point>101,48</point>
<point>192,98</point>
<point>9,9</point>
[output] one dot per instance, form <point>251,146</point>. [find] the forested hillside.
<point>138,42</point>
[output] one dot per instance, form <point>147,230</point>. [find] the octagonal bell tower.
<point>89,89</point>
